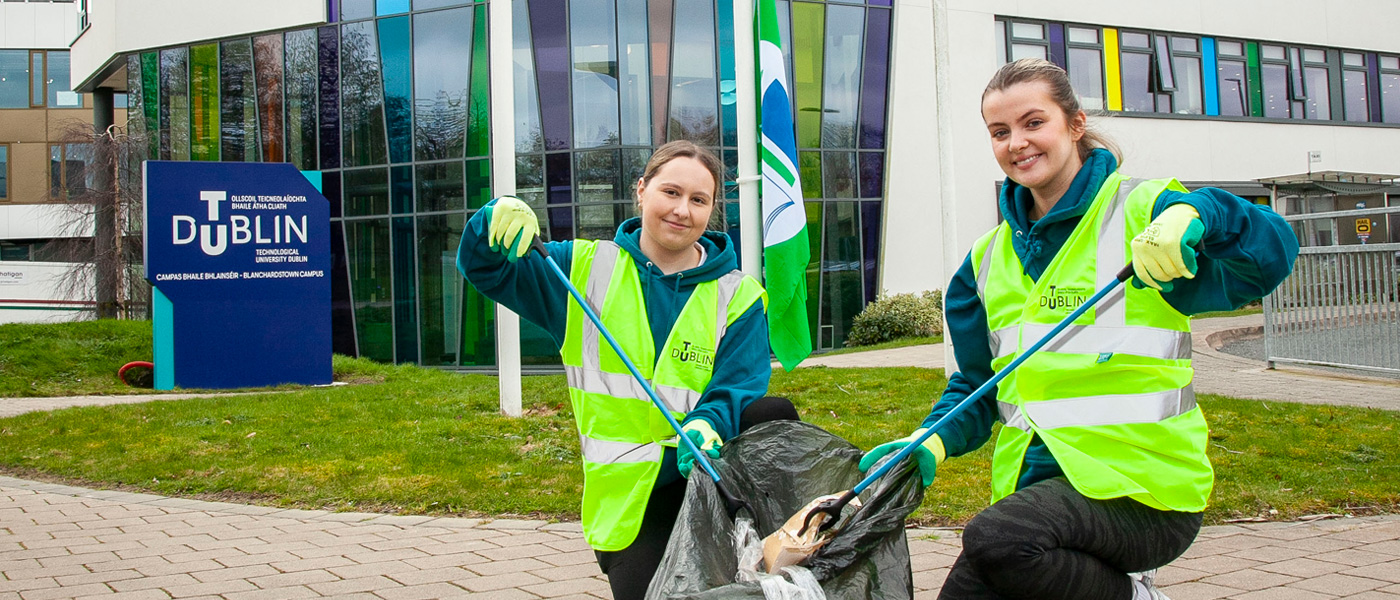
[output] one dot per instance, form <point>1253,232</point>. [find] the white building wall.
<point>42,221</point>
<point>30,292</point>
<point>121,26</point>
<point>37,25</point>
<point>1188,149</point>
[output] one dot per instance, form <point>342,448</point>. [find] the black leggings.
<point>630,570</point>
<point>1048,541</point>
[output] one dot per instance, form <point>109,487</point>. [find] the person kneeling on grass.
<point>1100,473</point>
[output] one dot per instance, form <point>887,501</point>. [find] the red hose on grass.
<point>142,373</point>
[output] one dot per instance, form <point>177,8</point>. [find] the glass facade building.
<point>391,101</point>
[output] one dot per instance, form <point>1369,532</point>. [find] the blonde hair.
<point>687,149</point>
<point>1061,93</point>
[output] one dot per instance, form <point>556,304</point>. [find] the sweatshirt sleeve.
<point>742,370</point>
<point>526,286</point>
<point>967,327</point>
<point>1246,251</point>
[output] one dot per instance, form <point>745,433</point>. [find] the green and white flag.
<point>785,248</point>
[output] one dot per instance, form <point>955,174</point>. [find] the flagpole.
<point>503,184</point>
<point>746,100</point>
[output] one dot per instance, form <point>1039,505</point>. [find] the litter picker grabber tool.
<point>832,508</point>
<point>732,503</point>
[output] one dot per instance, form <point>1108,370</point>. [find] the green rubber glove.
<point>1164,251</point>
<point>703,434</point>
<point>929,454</point>
<point>512,226</point>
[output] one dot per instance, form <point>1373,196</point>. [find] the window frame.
<point>1153,78</point>
<point>1199,56</point>
<point>1097,47</point>
<point>1382,70</point>
<point>1243,83</point>
<point>1012,40</point>
<point>1364,71</point>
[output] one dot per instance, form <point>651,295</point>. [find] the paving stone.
<point>1250,580</point>
<point>1386,571</point>
<point>132,595</point>
<point>1270,554</point>
<point>294,592</point>
<point>1284,593</point>
<point>499,582</point>
<point>1198,591</point>
<point>291,579</point>
<point>212,588</point>
<point>1338,584</point>
<point>497,567</point>
<point>555,589</point>
<point>438,575</point>
<point>428,591</point>
<point>338,589</point>
<point>147,583</point>
<point>1302,567</point>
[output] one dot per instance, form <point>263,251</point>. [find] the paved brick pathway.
<point>64,542</point>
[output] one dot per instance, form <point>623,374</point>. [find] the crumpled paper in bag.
<point>786,547</point>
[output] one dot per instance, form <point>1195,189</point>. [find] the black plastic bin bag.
<point>779,467</point>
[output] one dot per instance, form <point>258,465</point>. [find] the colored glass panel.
<point>356,9</point>
<point>367,245</point>
<point>808,23</point>
<point>1057,44</point>
<point>1113,85</point>
<point>390,7</point>
<point>1256,89</point>
<point>814,271</point>
<point>362,99</point>
<point>558,178</point>
<point>872,175</point>
<point>440,187</point>
<point>441,287</point>
<point>839,174</point>
<point>875,79</point>
<point>596,176</point>
<point>300,59</point>
<point>479,113</point>
<point>694,114</point>
<point>529,180</point>
<point>397,60</point>
<point>549,33</point>
<point>238,108</point>
<point>479,334</point>
<point>529,136</point>
<point>593,38</point>
<point>1211,79</point>
<point>174,104</point>
<point>332,11</point>
<point>659,16</point>
<point>328,111</point>
<point>427,4</point>
<point>561,223</point>
<point>342,304</point>
<point>881,2</point>
<point>842,281</point>
<point>634,98</point>
<point>845,29</point>
<point>204,102</point>
<point>267,69</point>
<point>405,291</point>
<point>870,213</point>
<point>809,166</point>
<point>478,184</point>
<point>401,189</point>
<point>330,188</point>
<point>150,103</point>
<point>440,82</point>
<point>728,91</point>
<point>366,192</point>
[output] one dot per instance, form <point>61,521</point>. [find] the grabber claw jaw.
<point>733,505</point>
<point>831,508</point>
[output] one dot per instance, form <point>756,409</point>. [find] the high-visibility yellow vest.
<point>621,432</point>
<point>1111,397</point>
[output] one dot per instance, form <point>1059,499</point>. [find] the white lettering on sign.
<point>215,237</point>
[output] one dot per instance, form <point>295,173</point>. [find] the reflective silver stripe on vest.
<point>1116,409</point>
<point>728,286</point>
<point>1005,341</point>
<point>594,381</point>
<point>595,292</point>
<point>1151,342</point>
<point>995,339</point>
<point>1113,255</point>
<point>1011,416</point>
<point>607,453</point>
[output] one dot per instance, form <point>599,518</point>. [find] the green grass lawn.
<point>415,440</point>
<point>65,359</point>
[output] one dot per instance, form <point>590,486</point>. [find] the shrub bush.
<point>898,316</point>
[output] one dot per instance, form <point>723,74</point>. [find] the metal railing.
<point>1340,307</point>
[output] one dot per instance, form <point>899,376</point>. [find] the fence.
<point>1340,307</point>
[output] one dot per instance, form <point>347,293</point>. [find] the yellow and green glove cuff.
<point>928,456</point>
<point>706,439</point>
<point>1165,250</point>
<point>512,226</point>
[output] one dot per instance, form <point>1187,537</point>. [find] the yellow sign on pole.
<point>1363,226</point>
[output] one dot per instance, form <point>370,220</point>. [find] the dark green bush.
<point>898,316</point>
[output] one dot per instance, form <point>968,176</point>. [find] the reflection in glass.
<point>479,335</point>
<point>872,175</point>
<point>367,245</point>
<point>328,59</point>
<point>596,174</point>
<point>809,168</point>
<point>659,13</point>
<point>14,82</point>
<point>150,88</point>
<point>356,9</point>
<point>558,178</point>
<point>204,100</point>
<point>267,67</point>
<point>1083,35</point>
<point>394,54</point>
<point>1137,90</point>
<point>405,292</point>
<point>135,114</point>
<point>366,192</point>
<point>594,59</point>
<point>808,22</point>
<point>1135,40</point>
<point>37,85</point>
<point>61,94</point>
<point>390,7</point>
<point>441,286</point>
<point>479,107</point>
<point>1232,88</point>
<point>1275,85</point>
<point>342,307</point>
<point>440,187</point>
<point>300,50</point>
<point>875,82</point>
<point>840,174</point>
<point>362,100</point>
<point>440,82</point>
<point>549,32</point>
<point>694,90</point>
<point>841,82</point>
<point>1319,103</point>
<point>427,4</point>
<point>1354,95</point>
<point>529,180</point>
<point>478,183</point>
<point>633,72</point>
<point>238,114</point>
<point>842,281</point>
<point>1188,99</point>
<point>600,221</point>
<point>814,272</point>
<point>728,88</point>
<point>870,267</point>
<point>174,104</point>
<point>528,135</point>
<point>1086,76</point>
<point>401,189</point>
<point>1034,31</point>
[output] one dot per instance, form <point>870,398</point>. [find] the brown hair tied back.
<point>687,149</point>
<point>1061,93</point>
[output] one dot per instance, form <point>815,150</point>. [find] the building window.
<point>60,91</point>
<point>1027,40</point>
<point>36,79</point>
<point>1145,79</point>
<point>1085,58</point>
<point>70,170</point>
<point>1356,103</point>
<point>4,172</point>
<point>1390,89</point>
<point>14,79</point>
<point>1274,80</point>
<point>1188,99</point>
<point>1231,71</point>
<point>1316,80</point>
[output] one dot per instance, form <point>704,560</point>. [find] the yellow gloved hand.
<point>1164,251</point>
<point>706,439</point>
<point>929,454</point>
<point>512,226</point>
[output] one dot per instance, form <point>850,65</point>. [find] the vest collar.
<point>1015,200</point>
